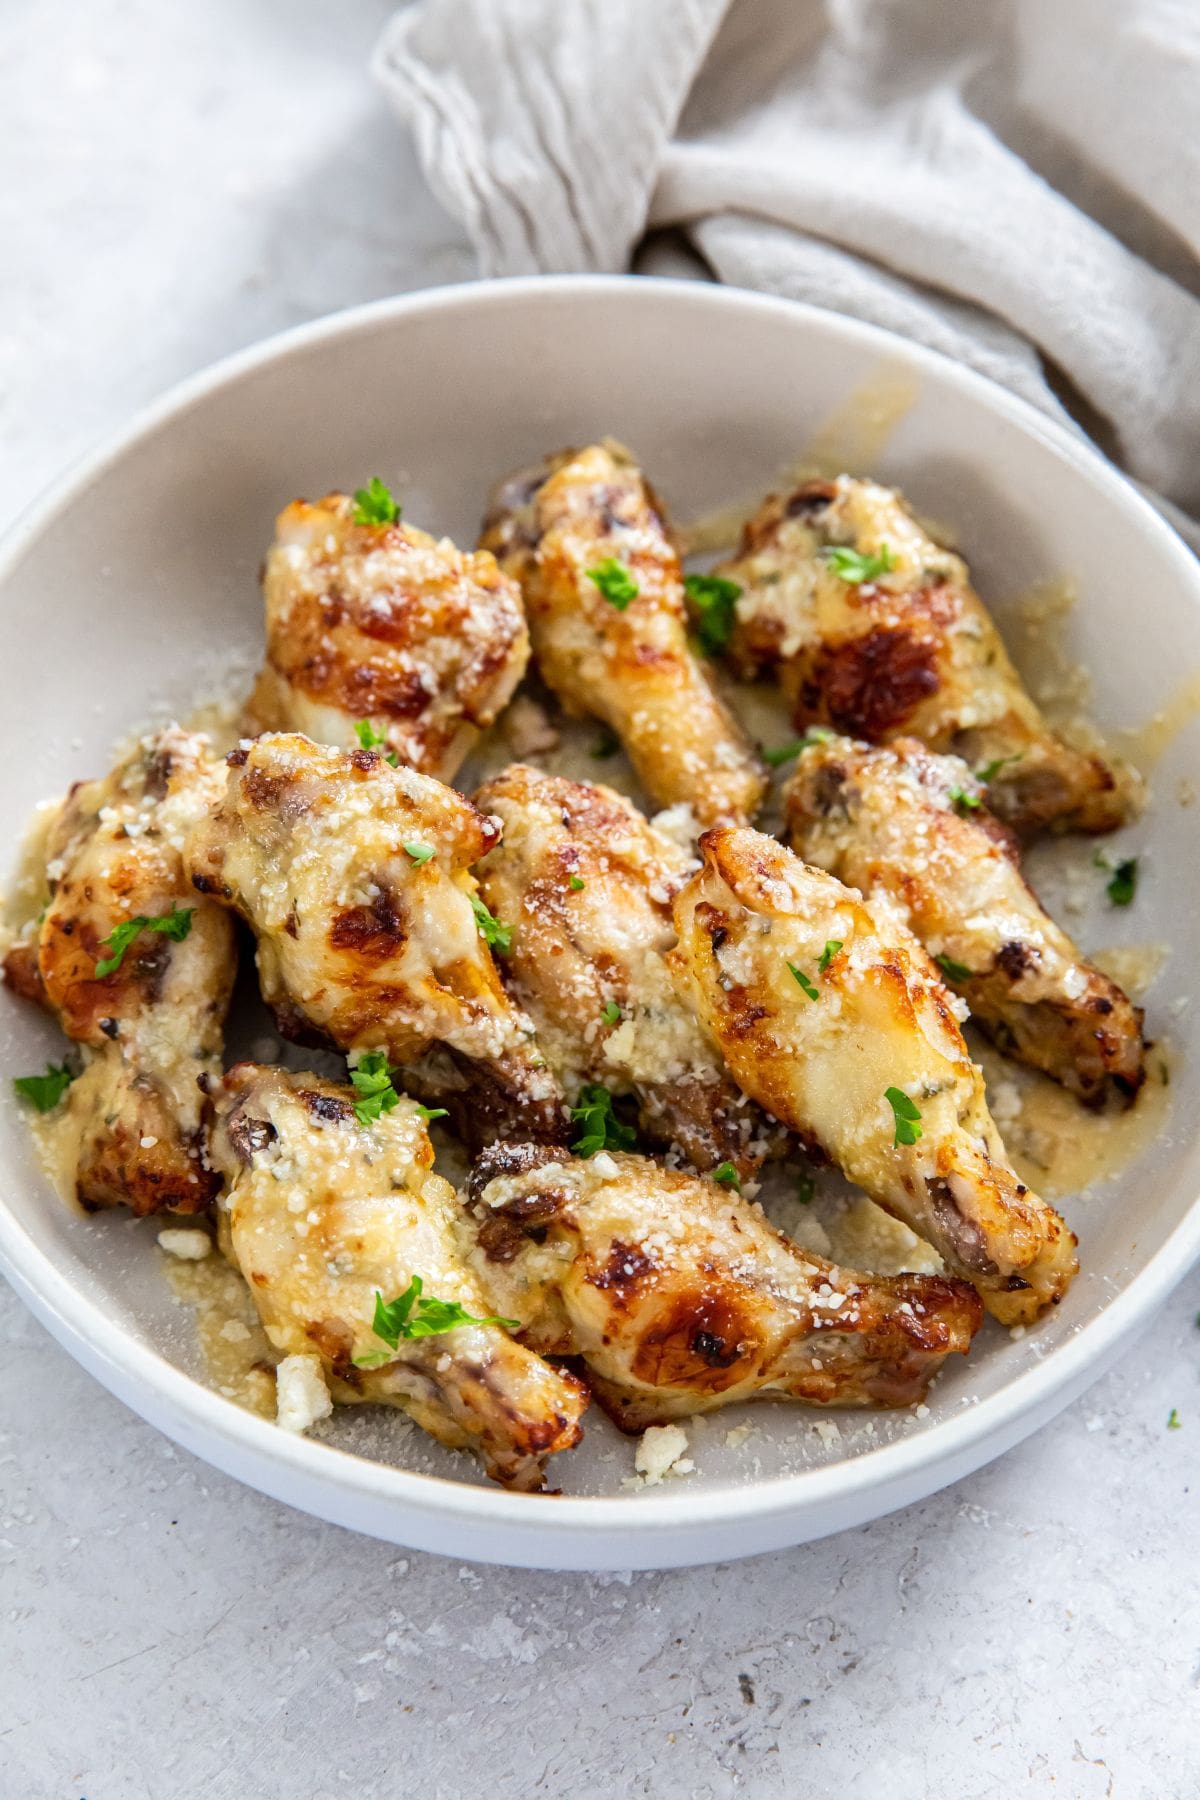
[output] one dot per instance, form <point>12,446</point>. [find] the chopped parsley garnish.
<point>576,884</point>
<point>432,1112</point>
<point>174,924</point>
<point>611,1013</point>
<point>44,1091</point>
<point>816,734</point>
<point>728,1177</point>
<point>908,1119</point>
<point>990,770</point>
<point>599,1127</point>
<point>413,1315</point>
<point>832,946</point>
<point>1123,885</point>
<point>1174,1423</point>
<point>955,970</point>
<point>606,746</point>
<point>371,1080</point>
<point>420,853</point>
<point>809,987</point>
<point>714,607</point>
<point>370,739</point>
<point>490,929</point>
<point>374,504</point>
<point>806,1189</point>
<point>614,581</point>
<point>858,565</point>
<point>963,799</point>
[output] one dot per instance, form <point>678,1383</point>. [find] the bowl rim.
<point>186,1407</point>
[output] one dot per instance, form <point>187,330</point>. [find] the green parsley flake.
<point>858,565</point>
<point>614,581</point>
<point>728,1177</point>
<point>174,925</point>
<point>490,929</point>
<point>808,986</point>
<point>713,601</point>
<point>44,1091</point>
<point>963,799</point>
<point>832,946</point>
<point>413,1315</point>
<point>1174,1423</point>
<point>420,853</point>
<point>908,1119</point>
<point>990,770</point>
<point>955,970</point>
<point>432,1112</point>
<point>371,1080</point>
<point>816,734</point>
<point>806,1189</point>
<point>611,1013</point>
<point>576,885</point>
<point>374,504</point>
<point>600,1129</point>
<point>370,739</point>
<point>1123,885</point>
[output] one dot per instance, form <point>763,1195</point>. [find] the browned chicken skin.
<point>680,1296</point>
<point>372,1215</point>
<point>625,660</point>
<point>588,883</point>
<point>152,1027</point>
<point>385,623</point>
<point>909,651</point>
<point>910,829</point>
<point>758,929</point>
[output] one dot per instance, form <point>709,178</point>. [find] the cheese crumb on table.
<point>189,1246</point>
<point>660,1453</point>
<point>301,1394</point>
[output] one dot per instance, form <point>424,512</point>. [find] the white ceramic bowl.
<point>133,585</point>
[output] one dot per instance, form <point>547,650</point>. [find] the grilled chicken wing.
<point>324,1213</point>
<point>353,876</point>
<point>681,1297</point>
<point>624,659</point>
<point>906,650</point>
<point>587,883</point>
<point>151,1027</point>
<point>836,1021</point>
<point>910,828</point>
<point>385,623</point>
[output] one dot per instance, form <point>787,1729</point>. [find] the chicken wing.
<point>681,1297</point>
<point>910,829</point>
<point>587,883</point>
<point>586,538</point>
<point>383,623</point>
<point>836,1021</point>
<point>354,878</point>
<point>139,971</point>
<point>876,630</point>
<point>324,1213</point>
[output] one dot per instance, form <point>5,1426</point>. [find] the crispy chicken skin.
<point>882,1020</point>
<point>627,664</point>
<point>323,1213</point>
<point>366,944</point>
<point>588,883</point>
<point>912,652</point>
<point>386,623</point>
<point>153,1027</point>
<point>681,1297</point>
<point>894,823</point>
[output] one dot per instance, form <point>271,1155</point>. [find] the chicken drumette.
<point>587,884</point>
<point>354,878</point>
<point>837,1022</point>
<point>383,623</point>
<point>322,1214</point>
<point>911,829</point>
<point>586,538</point>
<point>139,971</point>
<point>680,1296</point>
<point>875,629</point>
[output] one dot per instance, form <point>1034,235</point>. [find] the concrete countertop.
<point>178,182</point>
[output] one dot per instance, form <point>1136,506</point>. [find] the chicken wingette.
<point>371,937</point>
<point>587,884</point>
<point>874,628</point>
<point>586,538</point>
<point>323,1213</point>
<point>836,1021</point>
<point>139,971</point>
<point>912,829</point>
<point>681,1297</point>
<point>377,630</point>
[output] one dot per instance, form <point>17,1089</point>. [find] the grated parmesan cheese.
<point>301,1394</point>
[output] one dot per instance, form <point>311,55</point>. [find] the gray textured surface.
<point>176,182</point>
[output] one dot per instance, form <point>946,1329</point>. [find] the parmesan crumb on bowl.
<point>301,1394</point>
<point>660,1453</point>
<point>188,1246</point>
